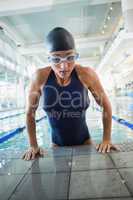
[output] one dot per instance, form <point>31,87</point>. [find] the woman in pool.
<point>64,86</point>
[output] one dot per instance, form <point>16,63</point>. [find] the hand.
<point>32,152</point>
<point>106,146</point>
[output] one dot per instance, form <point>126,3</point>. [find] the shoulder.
<point>86,74</point>
<point>86,71</point>
<point>41,75</point>
<point>38,79</point>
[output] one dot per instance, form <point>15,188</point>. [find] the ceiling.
<point>118,61</point>
<point>92,23</point>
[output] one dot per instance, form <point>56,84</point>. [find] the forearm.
<point>107,123</point>
<point>31,129</point>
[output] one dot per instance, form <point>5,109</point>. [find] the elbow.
<point>30,114</point>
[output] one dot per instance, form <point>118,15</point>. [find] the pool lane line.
<point>10,116</point>
<point>10,134</point>
<point>119,120</point>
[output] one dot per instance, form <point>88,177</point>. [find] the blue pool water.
<point>120,133</point>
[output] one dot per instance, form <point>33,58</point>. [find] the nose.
<point>64,65</point>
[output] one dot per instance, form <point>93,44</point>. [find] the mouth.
<point>64,72</point>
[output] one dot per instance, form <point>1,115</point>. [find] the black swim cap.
<point>59,39</point>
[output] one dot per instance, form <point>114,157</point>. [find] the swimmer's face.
<point>63,62</point>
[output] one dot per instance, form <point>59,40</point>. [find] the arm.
<point>91,80</point>
<point>32,105</point>
<point>102,100</point>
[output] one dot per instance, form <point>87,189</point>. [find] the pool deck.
<point>68,173</point>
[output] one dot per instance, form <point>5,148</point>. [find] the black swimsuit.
<point>66,108</point>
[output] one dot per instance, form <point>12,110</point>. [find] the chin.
<point>66,75</point>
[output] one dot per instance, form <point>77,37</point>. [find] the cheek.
<point>71,66</point>
<point>55,68</point>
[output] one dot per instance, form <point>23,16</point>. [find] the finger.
<point>108,149</point>
<point>100,148</point>
<point>33,156</point>
<point>28,156</point>
<point>97,146</point>
<point>23,156</point>
<point>104,148</point>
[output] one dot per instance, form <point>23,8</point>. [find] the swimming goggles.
<point>58,59</point>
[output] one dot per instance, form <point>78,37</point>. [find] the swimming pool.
<point>120,133</point>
